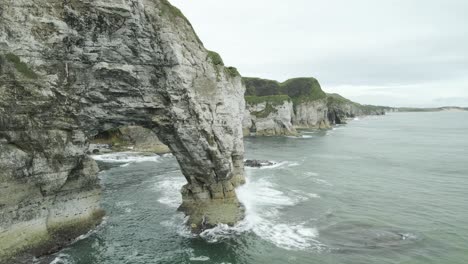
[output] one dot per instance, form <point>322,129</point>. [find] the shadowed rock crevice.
<point>100,65</point>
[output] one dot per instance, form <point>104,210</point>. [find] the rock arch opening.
<point>92,66</point>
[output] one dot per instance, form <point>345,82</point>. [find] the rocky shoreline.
<point>275,109</point>
<point>125,75</point>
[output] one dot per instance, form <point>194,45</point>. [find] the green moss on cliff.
<point>21,66</point>
<point>173,13</point>
<point>232,71</point>
<point>215,58</point>
<point>266,112</point>
<point>271,101</point>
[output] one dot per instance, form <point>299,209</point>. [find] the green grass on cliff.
<point>260,87</point>
<point>217,61</point>
<point>173,12</point>
<point>303,89</point>
<point>298,89</point>
<point>215,58</point>
<point>336,99</point>
<point>265,112</point>
<point>232,71</point>
<point>21,66</point>
<point>272,99</point>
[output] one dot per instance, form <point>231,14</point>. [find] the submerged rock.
<point>70,70</point>
<point>258,163</point>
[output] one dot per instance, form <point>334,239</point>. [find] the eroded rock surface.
<point>128,138</point>
<point>305,106</point>
<point>311,114</point>
<point>340,109</point>
<point>72,69</point>
<point>269,117</point>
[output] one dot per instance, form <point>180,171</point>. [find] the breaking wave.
<point>126,157</point>
<point>263,203</point>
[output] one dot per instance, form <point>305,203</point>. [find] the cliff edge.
<point>72,69</point>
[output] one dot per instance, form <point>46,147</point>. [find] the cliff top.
<point>299,89</point>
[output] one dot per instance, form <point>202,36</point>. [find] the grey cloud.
<point>342,43</point>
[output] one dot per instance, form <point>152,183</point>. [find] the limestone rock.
<point>72,69</point>
<point>340,109</point>
<point>269,118</point>
<point>311,114</point>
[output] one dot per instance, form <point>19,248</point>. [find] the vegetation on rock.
<point>21,66</point>
<point>298,89</point>
<point>215,58</point>
<point>261,87</point>
<point>265,112</point>
<point>303,89</point>
<point>173,13</point>
<point>272,99</point>
<point>232,71</point>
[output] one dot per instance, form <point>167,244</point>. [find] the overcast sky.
<point>386,52</point>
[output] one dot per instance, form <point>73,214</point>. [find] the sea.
<point>380,189</point>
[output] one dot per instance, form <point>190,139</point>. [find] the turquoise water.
<point>390,189</point>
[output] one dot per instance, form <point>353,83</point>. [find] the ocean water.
<point>391,189</point>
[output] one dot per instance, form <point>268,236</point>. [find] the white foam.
<point>179,226</point>
<point>200,258</point>
<point>300,136</point>
<point>356,119</point>
<point>126,157</point>
<point>311,173</point>
<point>263,204</point>
<point>169,190</point>
<point>322,182</point>
<point>62,259</point>
<point>275,165</point>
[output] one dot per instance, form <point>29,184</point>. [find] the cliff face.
<point>72,69</point>
<point>307,106</point>
<point>340,109</point>
<point>312,114</point>
<point>311,107</point>
<point>270,116</point>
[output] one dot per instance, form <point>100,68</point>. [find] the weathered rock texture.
<point>72,69</point>
<point>133,138</point>
<point>310,108</point>
<point>306,105</point>
<point>340,109</point>
<point>311,114</point>
<point>270,116</point>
